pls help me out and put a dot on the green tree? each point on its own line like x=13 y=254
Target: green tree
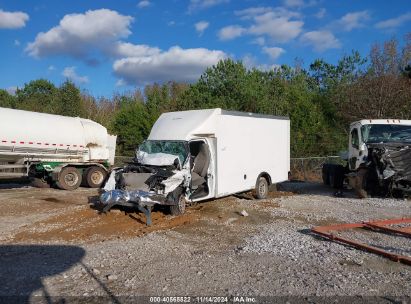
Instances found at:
x=131 y=125
x=38 y=95
x=69 y=100
x=6 y=99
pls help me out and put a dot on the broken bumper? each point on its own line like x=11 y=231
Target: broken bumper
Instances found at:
x=139 y=199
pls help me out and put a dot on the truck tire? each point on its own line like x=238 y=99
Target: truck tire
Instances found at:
x=39 y=182
x=69 y=179
x=180 y=207
x=361 y=183
x=331 y=174
x=337 y=177
x=94 y=176
x=261 y=188
x=325 y=174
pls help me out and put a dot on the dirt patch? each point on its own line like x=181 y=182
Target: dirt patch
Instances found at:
x=87 y=225
x=277 y=194
x=67 y=217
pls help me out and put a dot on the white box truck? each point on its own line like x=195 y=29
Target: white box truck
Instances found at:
x=197 y=155
x=54 y=149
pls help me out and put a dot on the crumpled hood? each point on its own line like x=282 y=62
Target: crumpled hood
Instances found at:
x=156 y=159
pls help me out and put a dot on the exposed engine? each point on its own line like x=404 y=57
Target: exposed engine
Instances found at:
x=389 y=168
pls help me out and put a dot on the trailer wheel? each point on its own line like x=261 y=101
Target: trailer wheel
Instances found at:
x=261 y=188
x=94 y=176
x=69 y=178
x=180 y=207
x=39 y=182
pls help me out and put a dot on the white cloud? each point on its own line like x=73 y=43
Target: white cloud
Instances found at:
x=321 y=40
x=299 y=3
x=275 y=23
x=250 y=62
x=143 y=4
x=78 y=34
x=171 y=23
x=100 y=33
x=259 y=41
x=273 y=52
x=125 y=49
x=231 y=32
x=120 y=83
x=203 y=4
x=278 y=28
x=251 y=12
x=201 y=27
x=17 y=42
x=175 y=64
x=70 y=73
x=13 y=20
x=353 y=20
x=394 y=22
x=51 y=68
x=12 y=90
x=321 y=13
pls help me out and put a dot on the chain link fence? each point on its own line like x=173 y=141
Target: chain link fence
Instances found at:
x=310 y=168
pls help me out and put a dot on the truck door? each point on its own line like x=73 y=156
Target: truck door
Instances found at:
x=354 y=148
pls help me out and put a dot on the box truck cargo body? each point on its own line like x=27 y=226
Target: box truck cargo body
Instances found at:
x=202 y=154
x=55 y=149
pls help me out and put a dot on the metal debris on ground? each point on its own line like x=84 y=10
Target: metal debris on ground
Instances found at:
x=244 y=213
x=380 y=226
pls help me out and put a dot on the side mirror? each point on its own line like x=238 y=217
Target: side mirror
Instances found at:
x=363 y=147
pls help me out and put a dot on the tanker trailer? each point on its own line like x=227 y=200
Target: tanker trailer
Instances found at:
x=55 y=150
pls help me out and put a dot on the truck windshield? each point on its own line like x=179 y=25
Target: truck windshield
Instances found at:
x=177 y=148
x=377 y=133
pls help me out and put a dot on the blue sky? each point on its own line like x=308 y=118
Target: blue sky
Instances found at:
x=108 y=46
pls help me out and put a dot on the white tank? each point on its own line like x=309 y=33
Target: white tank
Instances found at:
x=25 y=134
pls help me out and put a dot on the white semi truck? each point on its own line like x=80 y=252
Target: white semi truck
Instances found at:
x=199 y=155
x=378 y=159
x=55 y=150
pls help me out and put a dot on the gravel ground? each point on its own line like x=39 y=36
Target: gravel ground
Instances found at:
x=215 y=252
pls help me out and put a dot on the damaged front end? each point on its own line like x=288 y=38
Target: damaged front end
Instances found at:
x=159 y=175
x=389 y=168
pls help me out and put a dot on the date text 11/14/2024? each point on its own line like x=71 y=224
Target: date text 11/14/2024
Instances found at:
x=203 y=299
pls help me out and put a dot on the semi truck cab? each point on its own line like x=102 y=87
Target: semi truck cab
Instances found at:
x=378 y=158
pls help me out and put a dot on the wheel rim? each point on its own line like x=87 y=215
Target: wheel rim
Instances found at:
x=262 y=188
x=71 y=179
x=97 y=177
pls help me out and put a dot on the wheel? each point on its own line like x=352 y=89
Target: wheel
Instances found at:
x=180 y=207
x=261 y=188
x=69 y=179
x=94 y=176
x=38 y=179
x=325 y=176
x=361 y=183
x=338 y=177
x=331 y=175
x=39 y=182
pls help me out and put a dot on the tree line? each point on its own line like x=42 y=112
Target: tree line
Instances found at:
x=320 y=100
